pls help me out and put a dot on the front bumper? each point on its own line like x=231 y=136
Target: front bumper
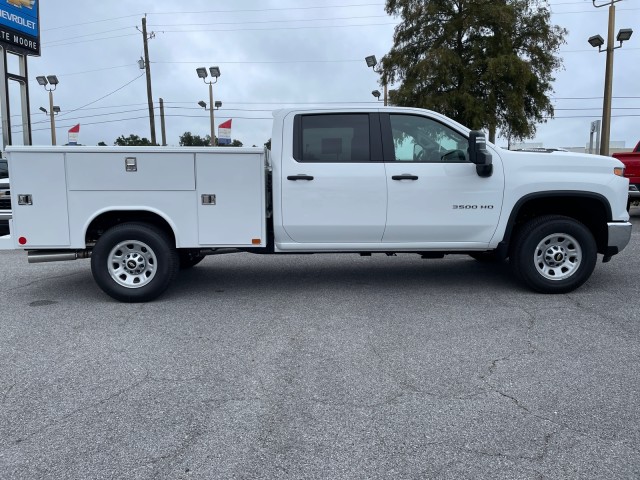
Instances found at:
x=634 y=192
x=619 y=236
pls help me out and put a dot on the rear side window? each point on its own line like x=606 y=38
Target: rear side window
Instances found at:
x=332 y=138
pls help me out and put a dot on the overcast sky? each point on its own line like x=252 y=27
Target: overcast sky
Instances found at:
x=275 y=53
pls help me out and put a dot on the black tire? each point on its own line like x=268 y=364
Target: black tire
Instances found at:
x=553 y=254
x=189 y=258
x=134 y=262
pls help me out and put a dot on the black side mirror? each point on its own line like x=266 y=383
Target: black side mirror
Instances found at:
x=479 y=154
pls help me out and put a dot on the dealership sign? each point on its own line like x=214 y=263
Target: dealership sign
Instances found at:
x=224 y=133
x=19 y=26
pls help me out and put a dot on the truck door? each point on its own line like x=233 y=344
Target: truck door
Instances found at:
x=435 y=194
x=333 y=180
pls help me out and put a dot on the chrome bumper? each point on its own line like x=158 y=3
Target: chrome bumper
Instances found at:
x=619 y=235
x=633 y=191
x=5 y=215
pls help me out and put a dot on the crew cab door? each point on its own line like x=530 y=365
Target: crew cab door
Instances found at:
x=435 y=193
x=333 y=180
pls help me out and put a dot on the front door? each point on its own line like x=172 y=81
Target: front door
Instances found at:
x=435 y=194
x=333 y=183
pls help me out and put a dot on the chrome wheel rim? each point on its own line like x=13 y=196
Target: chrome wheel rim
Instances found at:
x=557 y=256
x=132 y=264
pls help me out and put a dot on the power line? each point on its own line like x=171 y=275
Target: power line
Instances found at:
x=213 y=11
x=104 y=96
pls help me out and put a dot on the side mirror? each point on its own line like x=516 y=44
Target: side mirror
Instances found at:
x=479 y=154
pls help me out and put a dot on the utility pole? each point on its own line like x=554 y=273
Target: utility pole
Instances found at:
x=147 y=66
x=162 y=128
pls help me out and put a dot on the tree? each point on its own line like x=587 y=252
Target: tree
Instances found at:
x=132 y=141
x=485 y=63
x=267 y=145
x=187 y=139
x=102 y=144
x=234 y=143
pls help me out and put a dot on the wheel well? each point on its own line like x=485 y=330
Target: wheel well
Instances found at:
x=591 y=211
x=105 y=221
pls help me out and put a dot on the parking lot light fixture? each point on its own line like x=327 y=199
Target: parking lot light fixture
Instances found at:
x=203 y=104
x=624 y=34
x=218 y=104
x=215 y=74
x=371 y=63
x=50 y=82
x=596 y=41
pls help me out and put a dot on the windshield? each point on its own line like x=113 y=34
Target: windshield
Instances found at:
x=4 y=169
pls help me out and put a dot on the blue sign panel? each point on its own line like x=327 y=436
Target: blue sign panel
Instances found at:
x=19 y=26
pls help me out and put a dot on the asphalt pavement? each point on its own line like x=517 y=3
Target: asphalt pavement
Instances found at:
x=320 y=366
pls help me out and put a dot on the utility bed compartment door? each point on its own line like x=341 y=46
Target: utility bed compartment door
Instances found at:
x=231 y=199
x=44 y=223
x=147 y=171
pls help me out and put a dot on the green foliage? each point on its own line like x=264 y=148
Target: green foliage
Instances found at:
x=102 y=144
x=187 y=139
x=485 y=63
x=268 y=144
x=132 y=141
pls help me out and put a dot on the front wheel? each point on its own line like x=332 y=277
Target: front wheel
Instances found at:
x=554 y=254
x=134 y=262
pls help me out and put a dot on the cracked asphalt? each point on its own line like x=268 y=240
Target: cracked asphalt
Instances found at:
x=320 y=366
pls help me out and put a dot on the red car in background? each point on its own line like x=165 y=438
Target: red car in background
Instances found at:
x=631 y=162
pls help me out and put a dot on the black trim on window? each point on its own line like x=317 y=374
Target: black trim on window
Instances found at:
x=387 y=138
x=375 y=136
x=297 y=137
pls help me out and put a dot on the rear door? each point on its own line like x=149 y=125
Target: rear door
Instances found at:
x=333 y=180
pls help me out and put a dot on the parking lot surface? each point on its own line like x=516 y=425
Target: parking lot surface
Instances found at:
x=320 y=366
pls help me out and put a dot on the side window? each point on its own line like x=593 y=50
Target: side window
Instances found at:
x=333 y=138
x=420 y=139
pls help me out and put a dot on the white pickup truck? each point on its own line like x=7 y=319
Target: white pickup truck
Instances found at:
x=343 y=180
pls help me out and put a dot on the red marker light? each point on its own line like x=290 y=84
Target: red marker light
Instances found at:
x=22 y=241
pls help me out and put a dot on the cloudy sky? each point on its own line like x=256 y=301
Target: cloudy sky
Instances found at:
x=275 y=53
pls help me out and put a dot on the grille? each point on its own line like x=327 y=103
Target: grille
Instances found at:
x=5 y=204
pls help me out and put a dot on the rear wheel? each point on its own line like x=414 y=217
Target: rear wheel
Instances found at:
x=554 y=254
x=134 y=262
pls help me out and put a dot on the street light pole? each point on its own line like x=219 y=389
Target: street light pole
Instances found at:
x=608 y=81
x=52 y=82
x=372 y=62
x=597 y=41
x=215 y=74
x=53 y=118
x=211 y=116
